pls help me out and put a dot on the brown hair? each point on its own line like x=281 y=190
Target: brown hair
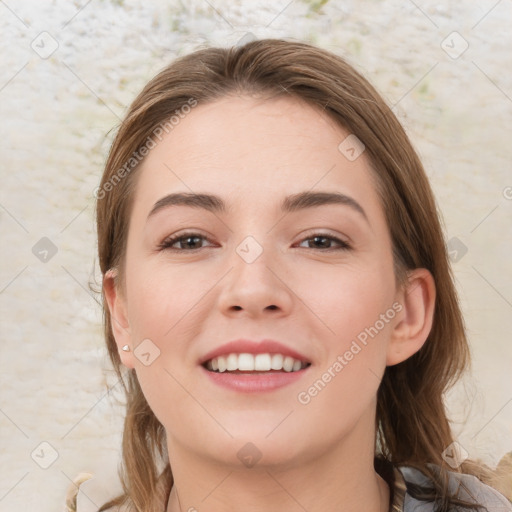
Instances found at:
x=412 y=425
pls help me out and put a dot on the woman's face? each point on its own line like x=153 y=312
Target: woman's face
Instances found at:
x=249 y=223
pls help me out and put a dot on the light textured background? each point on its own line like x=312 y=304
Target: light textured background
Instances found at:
x=55 y=118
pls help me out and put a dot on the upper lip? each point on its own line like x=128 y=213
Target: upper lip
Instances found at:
x=244 y=346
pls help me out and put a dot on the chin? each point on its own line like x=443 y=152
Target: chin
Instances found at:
x=253 y=450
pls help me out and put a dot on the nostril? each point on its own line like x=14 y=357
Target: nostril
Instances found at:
x=238 y=308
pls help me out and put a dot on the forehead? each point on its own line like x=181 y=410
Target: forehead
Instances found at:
x=256 y=150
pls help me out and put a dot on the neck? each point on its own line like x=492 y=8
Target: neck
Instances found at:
x=341 y=480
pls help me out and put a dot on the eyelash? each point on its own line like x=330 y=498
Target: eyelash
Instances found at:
x=170 y=241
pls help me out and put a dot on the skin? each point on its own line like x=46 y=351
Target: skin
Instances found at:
x=252 y=153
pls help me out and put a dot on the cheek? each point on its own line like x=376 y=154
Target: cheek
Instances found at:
x=162 y=321
x=160 y=299
x=350 y=299
x=359 y=314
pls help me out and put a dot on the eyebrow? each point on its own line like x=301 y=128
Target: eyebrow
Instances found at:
x=292 y=203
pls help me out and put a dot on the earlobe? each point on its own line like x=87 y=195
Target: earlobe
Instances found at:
x=415 y=321
x=118 y=317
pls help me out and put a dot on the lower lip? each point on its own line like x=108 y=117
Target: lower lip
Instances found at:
x=254 y=383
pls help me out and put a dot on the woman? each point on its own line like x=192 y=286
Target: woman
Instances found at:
x=278 y=298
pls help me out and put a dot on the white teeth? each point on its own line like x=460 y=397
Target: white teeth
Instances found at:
x=255 y=362
x=288 y=364
x=232 y=362
x=245 y=362
x=262 y=363
x=277 y=361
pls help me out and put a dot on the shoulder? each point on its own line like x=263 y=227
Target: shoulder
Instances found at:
x=73 y=491
x=88 y=493
x=466 y=487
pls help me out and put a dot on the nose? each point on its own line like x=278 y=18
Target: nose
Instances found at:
x=255 y=289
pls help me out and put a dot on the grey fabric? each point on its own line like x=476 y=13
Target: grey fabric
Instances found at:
x=467 y=487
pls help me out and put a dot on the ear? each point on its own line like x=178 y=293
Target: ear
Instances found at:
x=410 y=332
x=118 y=317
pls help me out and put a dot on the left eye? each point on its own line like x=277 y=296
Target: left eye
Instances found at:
x=324 y=242
x=188 y=241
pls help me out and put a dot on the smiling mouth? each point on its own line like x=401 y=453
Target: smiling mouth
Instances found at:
x=255 y=364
